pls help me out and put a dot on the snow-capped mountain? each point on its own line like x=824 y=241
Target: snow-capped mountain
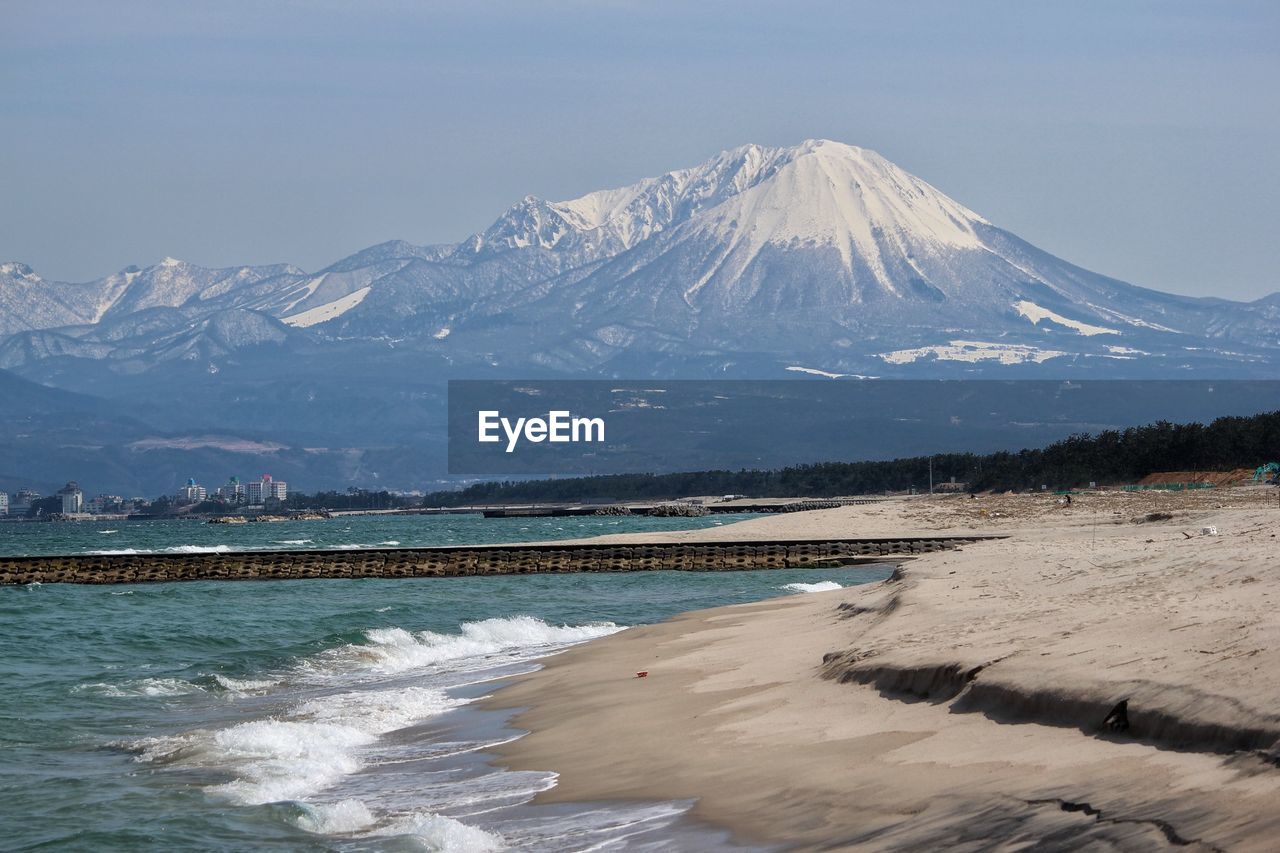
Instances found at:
x=822 y=256
x=819 y=260
x=832 y=253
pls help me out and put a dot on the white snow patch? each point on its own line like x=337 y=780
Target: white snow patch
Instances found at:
x=1035 y=314
x=1132 y=321
x=1125 y=352
x=973 y=351
x=306 y=291
x=813 y=371
x=328 y=311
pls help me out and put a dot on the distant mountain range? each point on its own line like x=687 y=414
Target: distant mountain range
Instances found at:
x=822 y=259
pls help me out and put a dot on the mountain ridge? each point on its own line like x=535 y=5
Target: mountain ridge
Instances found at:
x=816 y=251
x=819 y=261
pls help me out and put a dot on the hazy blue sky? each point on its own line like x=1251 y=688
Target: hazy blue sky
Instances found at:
x=1140 y=139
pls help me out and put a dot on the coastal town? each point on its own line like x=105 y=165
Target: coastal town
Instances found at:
x=70 y=504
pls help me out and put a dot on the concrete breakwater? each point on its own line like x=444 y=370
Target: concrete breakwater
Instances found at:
x=461 y=561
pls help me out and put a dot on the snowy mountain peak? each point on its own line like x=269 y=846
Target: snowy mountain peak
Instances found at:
x=17 y=269
x=818 y=192
x=827 y=189
x=531 y=223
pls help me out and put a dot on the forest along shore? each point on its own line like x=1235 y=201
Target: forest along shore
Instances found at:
x=1107 y=674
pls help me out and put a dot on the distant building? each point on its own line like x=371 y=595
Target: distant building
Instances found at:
x=106 y=503
x=952 y=486
x=278 y=490
x=23 y=500
x=233 y=491
x=265 y=490
x=72 y=498
x=191 y=493
x=4 y=503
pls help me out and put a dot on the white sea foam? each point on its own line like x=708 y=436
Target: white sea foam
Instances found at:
x=301 y=752
x=437 y=832
x=334 y=818
x=161 y=687
x=390 y=542
x=292 y=542
x=176 y=549
x=610 y=828
x=337 y=729
x=243 y=685
x=108 y=531
x=391 y=650
x=281 y=759
x=820 y=586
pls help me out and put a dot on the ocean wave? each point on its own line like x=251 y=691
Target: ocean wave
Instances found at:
x=437 y=832
x=176 y=549
x=392 y=650
x=140 y=687
x=296 y=754
x=291 y=542
x=820 y=586
x=354 y=546
x=243 y=685
x=334 y=818
x=105 y=532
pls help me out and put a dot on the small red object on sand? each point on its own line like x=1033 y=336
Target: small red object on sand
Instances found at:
x=642 y=673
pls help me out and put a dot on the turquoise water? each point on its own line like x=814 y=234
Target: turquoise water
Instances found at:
x=357 y=531
x=325 y=715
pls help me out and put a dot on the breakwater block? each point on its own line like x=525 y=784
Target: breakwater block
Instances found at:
x=468 y=561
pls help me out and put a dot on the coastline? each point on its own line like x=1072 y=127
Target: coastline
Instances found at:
x=960 y=704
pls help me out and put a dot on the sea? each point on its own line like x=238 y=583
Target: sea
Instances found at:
x=317 y=714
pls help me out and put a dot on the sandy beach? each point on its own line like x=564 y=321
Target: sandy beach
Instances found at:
x=969 y=702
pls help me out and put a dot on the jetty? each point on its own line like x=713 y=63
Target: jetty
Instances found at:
x=472 y=560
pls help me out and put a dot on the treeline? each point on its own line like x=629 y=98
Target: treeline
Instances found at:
x=350 y=499
x=1109 y=458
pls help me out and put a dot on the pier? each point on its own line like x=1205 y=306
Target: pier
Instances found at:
x=470 y=560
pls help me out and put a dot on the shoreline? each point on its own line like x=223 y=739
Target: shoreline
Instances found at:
x=960 y=704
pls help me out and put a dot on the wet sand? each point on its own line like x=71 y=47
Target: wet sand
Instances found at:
x=960 y=705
